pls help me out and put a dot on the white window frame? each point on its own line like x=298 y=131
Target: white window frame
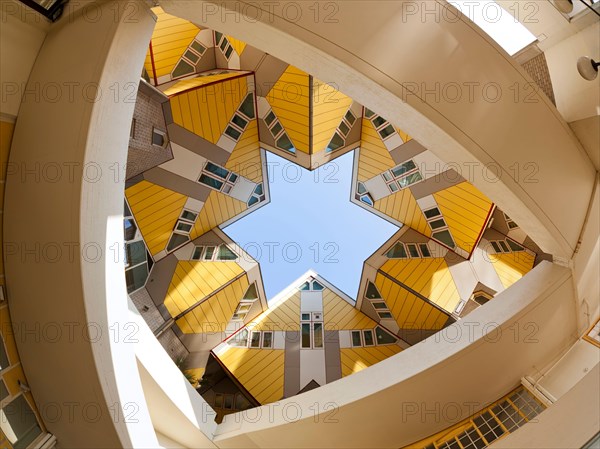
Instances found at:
x=227 y=183
x=439 y=229
x=394 y=180
x=316 y=318
x=226 y=47
x=136 y=238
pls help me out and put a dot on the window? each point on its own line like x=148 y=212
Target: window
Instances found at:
x=255 y=340
x=339 y=137
x=137 y=259
x=182 y=229
x=132 y=130
x=402 y=176
x=506 y=246
x=241 y=118
x=378 y=303
x=311 y=285
x=511 y=224
x=4 y=363
x=382 y=126
x=311 y=327
x=218 y=178
x=405 y=250
x=397 y=252
x=362 y=338
x=258 y=196
x=267 y=340
x=246 y=303
x=18 y=423
x=282 y=141
x=159 y=138
x=223 y=44
x=213 y=253
x=384 y=337
x=363 y=195
x=439 y=227
x=239 y=339
x=494 y=422
x=187 y=64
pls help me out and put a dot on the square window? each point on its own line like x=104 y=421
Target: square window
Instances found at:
x=267 y=339
x=255 y=340
x=356 y=339
x=368 y=337
x=431 y=213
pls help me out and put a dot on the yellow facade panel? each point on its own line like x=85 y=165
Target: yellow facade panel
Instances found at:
x=283 y=317
x=329 y=107
x=249 y=367
x=511 y=267
x=465 y=210
x=194 y=280
x=402 y=206
x=237 y=44
x=289 y=98
x=213 y=314
x=339 y=315
x=217 y=209
x=356 y=359
x=245 y=158
x=156 y=210
x=374 y=157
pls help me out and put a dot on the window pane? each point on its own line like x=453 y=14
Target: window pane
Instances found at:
x=350 y=117
x=192 y=56
x=255 y=340
x=251 y=292
x=367 y=199
x=276 y=129
x=412 y=249
x=336 y=142
x=318 y=335
x=317 y=287
x=19 y=424
x=435 y=224
x=129 y=229
x=197 y=253
x=183 y=68
x=372 y=292
x=233 y=133
x=218 y=37
x=135 y=252
x=228 y=401
x=223 y=45
x=425 y=250
x=228 y=52
x=211 y=182
x=393 y=187
x=444 y=237
x=3 y=357
x=384 y=315
x=388 y=130
x=368 y=335
x=514 y=245
x=397 y=252
x=361 y=188
x=247 y=107
x=344 y=128
x=225 y=253
x=198 y=47
x=403 y=168
x=410 y=179
x=185 y=227
x=432 y=212
x=496 y=247
x=305 y=317
x=208 y=254
x=356 y=341
x=378 y=121
x=305 y=335
x=158 y=139
x=369 y=113
x=252 y=201
x=177 y=240
x=379 y=305
x=269 y=118
x=239 y=121
x=187 y=215
x=215 y=169
x=267 y=339
x=285 y=143
x=218 y=401
x=136 y=277
x=504 y=246
x=305 y=286
x=384 y=337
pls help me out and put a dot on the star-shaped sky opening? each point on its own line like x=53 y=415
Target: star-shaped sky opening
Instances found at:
x=310 y=223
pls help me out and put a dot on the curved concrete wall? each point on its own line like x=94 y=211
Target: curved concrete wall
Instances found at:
x=63 y=228
x=442 y=80
x=429 y=386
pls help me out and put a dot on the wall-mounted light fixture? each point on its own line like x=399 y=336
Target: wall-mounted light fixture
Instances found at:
x=587 y=68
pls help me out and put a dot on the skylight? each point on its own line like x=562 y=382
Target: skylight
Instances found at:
x=310 y=224
x=497 y=22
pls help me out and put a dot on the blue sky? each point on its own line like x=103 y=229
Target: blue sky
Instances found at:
x=310 y=224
